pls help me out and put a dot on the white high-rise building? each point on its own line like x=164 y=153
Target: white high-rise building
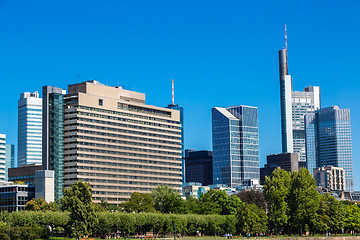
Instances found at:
x=302 y=103
x=2 y=156
x=29 y=128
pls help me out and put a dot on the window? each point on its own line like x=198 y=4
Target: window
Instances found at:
x=100 y=102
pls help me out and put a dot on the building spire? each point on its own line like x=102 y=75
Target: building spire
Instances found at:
x=285 y=39
x=172 y=91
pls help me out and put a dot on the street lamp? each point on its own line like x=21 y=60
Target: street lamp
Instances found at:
x=300 y=229
x=215 y=230
x=275 y=229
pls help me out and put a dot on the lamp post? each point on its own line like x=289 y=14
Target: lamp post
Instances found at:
x=275 y=229
x=74 y=231
x=300 y=229
x=129 y=228
x=215 y=230
x=9 y=231
x=174 y=230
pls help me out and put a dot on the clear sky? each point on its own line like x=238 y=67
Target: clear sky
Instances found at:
x=220 y=53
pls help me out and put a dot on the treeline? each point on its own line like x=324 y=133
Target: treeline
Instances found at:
x=289 y=204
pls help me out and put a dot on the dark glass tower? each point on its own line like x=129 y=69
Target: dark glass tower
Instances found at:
x=53 y=136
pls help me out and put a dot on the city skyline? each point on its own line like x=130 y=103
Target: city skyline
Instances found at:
x=212 y=57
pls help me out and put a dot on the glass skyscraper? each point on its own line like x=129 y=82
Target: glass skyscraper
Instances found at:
x=29 y=128
x=235 y=136
x=328 y=140
x=53 y=136
x=9 y=158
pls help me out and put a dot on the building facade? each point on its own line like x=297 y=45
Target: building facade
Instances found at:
x=328 y=141
x=199 y=167
x=24 y=173
x=29 y=128
x=9 y=158
x=13 y=197
x=235 y=137
x=330 y=177
x=53 y=135
x=2 y=156
x=119 y=144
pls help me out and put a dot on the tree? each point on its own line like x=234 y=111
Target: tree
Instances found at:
x=139 y=202
x=352 y=217
x=304 y=202
x=331 y=213
x=253 y=196
x=192 y=204
x=218 y=202
x=167 y=200
x=276 y=193
x=251 y=219
x=78 y=201
x=39 y=204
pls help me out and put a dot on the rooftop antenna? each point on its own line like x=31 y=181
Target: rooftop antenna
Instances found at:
x=172 y=91
x=285 y=39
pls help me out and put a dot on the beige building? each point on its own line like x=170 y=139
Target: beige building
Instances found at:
x=117 y=143
x=330 y=177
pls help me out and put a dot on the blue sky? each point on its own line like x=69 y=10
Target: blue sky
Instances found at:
x=220 y=53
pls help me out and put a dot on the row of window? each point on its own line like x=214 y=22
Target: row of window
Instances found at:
x=109 y=175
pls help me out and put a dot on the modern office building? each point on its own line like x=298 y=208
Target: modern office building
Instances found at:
x=294 y=106
x=44 y=185
x=181 y=110
x=330 y=177
x=119 y=144
x=53 y=135
x=13 y=197
x=194 y=189
x=29 y=128
x=2 y=156
x=9 y=158
x=235 y=137
x=199 y=167
x=286 y=161
x=328 y=141
x=24 y=173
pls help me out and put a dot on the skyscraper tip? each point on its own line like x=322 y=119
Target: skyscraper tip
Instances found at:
x=285 y=39
x=172 y=91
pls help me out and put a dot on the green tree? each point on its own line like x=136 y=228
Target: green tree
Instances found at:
x=304 y=202
x=218 y=202
x=192 y=204
x=139 y=202
x=276 y=192
x=167 y=200
x=78 y=201
x=352 y=217
x=331 y=213
x=251 y=219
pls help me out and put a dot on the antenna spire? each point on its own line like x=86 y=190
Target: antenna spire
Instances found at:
x=172 y=91
x=285 y=39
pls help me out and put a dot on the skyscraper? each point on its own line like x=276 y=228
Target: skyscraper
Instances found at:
x=29 y=128
x=119 y=144
x=9 y=158
x=328 y=141
x=235 y=137
x=294 y=106
x=199 y=167
x=2 y=156
x=177 y=107
x=53 y=135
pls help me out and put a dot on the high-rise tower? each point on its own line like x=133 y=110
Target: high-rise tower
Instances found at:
x=285 y=101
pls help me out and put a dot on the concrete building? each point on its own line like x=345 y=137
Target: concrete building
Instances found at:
x=235 y=136
x=9 y=158
x=119 y=144
x=2 y=156
x=45 y=185
x=13 y=197
x=194 y=189
x=328 y=141
x=286 y=161
x=330 y=177
x=294 y=106
x=53 y=135
x=29 y=128
x=24 y=173
x=199 y=166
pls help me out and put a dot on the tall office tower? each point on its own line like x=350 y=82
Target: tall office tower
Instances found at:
x=9 y=158
x=2 y=156
x=119 y=144
x=235 y=136
x=53 y=135
x=199 y=167
x=294 y=106
x=29 y=128
x=302 y=103
x=328 y=140
x=176 y=107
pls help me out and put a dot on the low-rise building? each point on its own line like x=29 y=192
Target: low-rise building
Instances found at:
x=13 y=197
x=330 y=177
x=24 y=173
